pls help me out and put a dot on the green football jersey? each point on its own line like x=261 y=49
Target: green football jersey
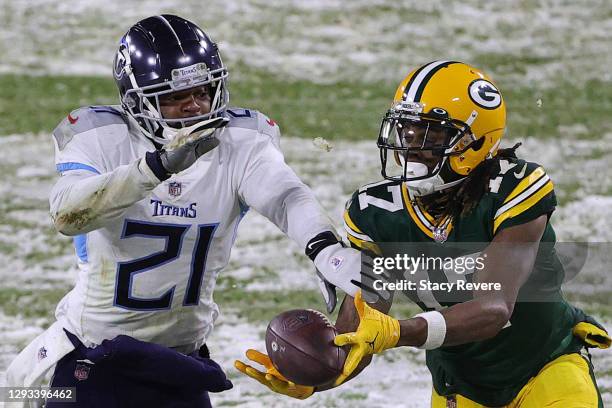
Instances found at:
x=493 y=371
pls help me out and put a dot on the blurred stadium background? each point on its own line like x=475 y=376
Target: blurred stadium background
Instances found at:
x=320 y=68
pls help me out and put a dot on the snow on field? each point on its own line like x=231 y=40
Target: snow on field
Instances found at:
x=35 y=257
x=325 y=41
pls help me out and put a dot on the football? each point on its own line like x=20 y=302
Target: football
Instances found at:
x=300 y=344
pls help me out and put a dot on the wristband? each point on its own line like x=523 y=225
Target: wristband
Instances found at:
x=436 y=330
x=155 y=164
x=319 y=243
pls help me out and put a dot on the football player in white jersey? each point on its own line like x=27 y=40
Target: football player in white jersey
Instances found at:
x=152 y=191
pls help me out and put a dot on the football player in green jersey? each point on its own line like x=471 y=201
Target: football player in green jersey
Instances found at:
x=447 y=182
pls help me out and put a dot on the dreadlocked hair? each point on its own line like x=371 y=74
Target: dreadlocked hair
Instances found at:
x=463 y=199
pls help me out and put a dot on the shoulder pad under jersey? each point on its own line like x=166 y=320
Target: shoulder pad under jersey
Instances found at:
x=366 y=207
x=84 y=119
x=250 y=119
x=522 y=191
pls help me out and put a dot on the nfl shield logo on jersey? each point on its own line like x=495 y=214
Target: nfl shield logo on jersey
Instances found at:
x=81 y=372
x=174 y=189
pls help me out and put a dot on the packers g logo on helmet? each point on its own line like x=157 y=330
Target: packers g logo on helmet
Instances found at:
x=447 y=117
x=484 y=94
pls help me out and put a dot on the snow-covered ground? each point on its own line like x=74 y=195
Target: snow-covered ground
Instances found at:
x=326 y=40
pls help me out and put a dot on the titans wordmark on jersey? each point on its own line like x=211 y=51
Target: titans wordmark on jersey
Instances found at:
x=492 y=371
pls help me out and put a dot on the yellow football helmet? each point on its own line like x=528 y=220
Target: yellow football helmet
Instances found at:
x=447 y=117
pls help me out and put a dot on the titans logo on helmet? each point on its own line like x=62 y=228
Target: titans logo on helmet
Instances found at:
x=119 y=66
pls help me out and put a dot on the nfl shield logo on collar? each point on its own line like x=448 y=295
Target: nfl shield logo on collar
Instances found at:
x=42 y=353
x=440 y=235
x=174 y=189
x=81 y=372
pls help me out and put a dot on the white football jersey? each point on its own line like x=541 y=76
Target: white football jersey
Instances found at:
x=149 y=252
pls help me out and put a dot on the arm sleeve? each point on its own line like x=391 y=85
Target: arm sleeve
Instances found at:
x=82 y=201
x=271 y=187
x=91 y=189
x=356 y=228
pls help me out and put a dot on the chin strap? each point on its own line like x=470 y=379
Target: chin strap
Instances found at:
x=430 y=185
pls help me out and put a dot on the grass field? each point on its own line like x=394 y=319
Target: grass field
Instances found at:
x=319 y=68
x=342 y=110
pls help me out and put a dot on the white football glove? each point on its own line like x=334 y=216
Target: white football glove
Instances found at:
x=340 y=266
x=346 y=268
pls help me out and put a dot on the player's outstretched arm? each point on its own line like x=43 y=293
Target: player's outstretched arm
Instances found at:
x=272 y=188
x=479 y=319
x=508 y=261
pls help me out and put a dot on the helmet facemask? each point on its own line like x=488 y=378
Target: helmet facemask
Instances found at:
x=420 y=145
x=143 y=103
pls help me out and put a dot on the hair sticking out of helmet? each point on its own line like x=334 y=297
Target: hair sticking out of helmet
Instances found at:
x=447 y=118
x=163 y=55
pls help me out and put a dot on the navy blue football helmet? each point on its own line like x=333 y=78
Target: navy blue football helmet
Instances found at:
x=164 y=54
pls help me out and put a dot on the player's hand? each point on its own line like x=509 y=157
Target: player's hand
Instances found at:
x=339 y=266
x=189 y=143
x=376 y=332
x=271 y=378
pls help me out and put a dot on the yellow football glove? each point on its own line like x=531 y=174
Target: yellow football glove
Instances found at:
x=592 y=335
x=272 y=378
x=376 y=333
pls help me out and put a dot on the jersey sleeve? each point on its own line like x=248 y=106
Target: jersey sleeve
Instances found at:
x=256 y=121
x=358 y=231
x=77 y=139
x=270 y=128
x=91 y=191
x=524 y=193
x=273 y=189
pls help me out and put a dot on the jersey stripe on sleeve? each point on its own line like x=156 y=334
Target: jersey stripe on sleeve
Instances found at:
x=357 y=237
x=524 y=196
x=62 y=167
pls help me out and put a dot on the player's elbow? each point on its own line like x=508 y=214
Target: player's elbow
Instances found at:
x=495 y=317
x=73 y=222
x=64 y=228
